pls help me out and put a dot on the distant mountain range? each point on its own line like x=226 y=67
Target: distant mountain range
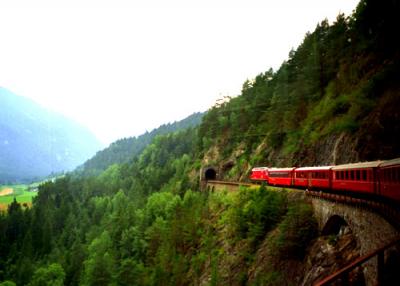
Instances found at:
x=35 y=142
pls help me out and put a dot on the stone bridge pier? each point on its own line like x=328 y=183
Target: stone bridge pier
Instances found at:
x=370 y=229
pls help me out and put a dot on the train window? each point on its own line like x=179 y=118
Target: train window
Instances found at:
x=358 y=175
x=363 y=175
x=279 y=174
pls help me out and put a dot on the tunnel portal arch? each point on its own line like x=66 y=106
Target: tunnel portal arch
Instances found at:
x=210 y=174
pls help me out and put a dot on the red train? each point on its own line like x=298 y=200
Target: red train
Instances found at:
x=377 y=178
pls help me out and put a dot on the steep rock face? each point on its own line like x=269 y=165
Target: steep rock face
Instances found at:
x=36 y=142
x=328 y=254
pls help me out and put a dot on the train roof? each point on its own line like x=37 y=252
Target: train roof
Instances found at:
x=259 y=168
x=319 y=168
x=372 y=164
x=280 y=169
x=390 y=162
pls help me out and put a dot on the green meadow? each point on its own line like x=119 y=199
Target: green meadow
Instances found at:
x=20 y=192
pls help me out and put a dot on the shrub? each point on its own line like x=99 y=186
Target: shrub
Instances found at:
x=295 y=232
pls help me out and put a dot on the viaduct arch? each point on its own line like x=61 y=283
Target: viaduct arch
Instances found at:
x=370 y=229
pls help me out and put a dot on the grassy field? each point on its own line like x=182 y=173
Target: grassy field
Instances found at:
x=20 y=192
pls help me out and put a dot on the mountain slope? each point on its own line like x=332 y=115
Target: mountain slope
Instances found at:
x=36 y=142
x=121 y=151
x=335 y=100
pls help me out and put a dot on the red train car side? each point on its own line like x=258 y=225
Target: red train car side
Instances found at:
x=280 y=176
x=389 y=179
x=313 y=177
x=358 y=177
x=377 y=178
x=259 y=174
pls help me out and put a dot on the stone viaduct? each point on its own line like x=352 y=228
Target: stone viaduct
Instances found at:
x=370 y=229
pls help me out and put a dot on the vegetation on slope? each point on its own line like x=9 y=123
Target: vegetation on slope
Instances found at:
x=340 y=84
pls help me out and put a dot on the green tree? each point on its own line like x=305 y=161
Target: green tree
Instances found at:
x=52 y=275
x=99 y=268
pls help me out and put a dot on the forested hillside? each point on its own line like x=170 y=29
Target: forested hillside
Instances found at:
x=145 y=222
x=334 y=100
x=124 y=150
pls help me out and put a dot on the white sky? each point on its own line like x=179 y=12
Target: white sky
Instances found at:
x=124 y=67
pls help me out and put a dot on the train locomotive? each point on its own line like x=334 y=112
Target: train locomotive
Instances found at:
x=377 y=179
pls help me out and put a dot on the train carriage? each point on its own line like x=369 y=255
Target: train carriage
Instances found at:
x=389 y=179
x=313 y=177
x=259 y=174
x=280 y=176
x=357 y=177
x=378 y=179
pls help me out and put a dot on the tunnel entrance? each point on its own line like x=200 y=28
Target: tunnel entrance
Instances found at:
x=333 y=225
x=210 y=174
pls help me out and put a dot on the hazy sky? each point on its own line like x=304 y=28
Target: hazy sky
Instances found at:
x=124 y=67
